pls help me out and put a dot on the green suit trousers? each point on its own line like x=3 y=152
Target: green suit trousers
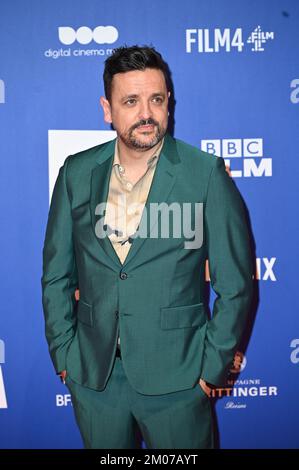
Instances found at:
x=115 y=417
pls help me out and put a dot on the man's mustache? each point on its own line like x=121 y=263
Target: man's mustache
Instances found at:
x=145 y=122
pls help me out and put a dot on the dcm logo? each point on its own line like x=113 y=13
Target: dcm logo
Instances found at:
x=84 y=35
x=3 y=401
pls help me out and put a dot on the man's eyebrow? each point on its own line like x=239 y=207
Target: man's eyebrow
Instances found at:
x=127 y=97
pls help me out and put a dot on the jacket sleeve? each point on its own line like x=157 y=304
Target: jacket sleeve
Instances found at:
x=59 y=278
x=231 y=273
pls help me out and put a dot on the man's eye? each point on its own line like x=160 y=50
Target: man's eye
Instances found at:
x=130 y=102
x=158 y=99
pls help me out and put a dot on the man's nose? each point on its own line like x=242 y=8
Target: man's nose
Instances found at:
x=145 y=110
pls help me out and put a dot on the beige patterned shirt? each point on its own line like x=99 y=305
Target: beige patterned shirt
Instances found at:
x=125 y=203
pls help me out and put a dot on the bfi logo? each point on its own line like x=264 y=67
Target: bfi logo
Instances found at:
x=2 y=92
x=64 y=400
x=244 y=157
x=3 y=401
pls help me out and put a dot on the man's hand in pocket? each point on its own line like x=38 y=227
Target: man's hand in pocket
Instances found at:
x=62 y=376
x=205 y=387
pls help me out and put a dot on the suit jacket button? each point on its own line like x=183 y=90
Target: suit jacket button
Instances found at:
x=116 y=313
x=123 y=275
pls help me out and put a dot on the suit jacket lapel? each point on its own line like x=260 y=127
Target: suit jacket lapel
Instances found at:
x=99 y=194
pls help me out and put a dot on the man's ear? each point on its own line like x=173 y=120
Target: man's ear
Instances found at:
x=107 y=109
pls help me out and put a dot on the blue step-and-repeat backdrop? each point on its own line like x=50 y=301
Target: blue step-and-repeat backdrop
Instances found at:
x=235 y=68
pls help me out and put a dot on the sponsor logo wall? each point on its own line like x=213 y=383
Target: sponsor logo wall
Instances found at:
x=236 y=85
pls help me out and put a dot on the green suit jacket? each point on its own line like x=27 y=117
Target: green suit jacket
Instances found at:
x=156 y=301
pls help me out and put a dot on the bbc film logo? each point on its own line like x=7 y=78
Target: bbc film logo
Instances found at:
x=227 y=40
x=84 y=35
x=3 y=400
x=243 y=157
x=2 y=92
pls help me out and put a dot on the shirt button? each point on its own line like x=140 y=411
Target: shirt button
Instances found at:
x=123 y=275
x=129 y=185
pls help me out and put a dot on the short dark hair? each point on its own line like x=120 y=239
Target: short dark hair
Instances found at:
x=125 y=59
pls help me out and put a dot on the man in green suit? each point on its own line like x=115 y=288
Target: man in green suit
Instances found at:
x=131 y=225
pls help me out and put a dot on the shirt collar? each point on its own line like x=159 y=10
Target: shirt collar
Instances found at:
x=150 y=162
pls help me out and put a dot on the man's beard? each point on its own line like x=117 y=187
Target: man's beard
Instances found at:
x=134 y=143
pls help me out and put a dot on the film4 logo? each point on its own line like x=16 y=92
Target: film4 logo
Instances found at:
x=203 y=40
x=3 y=401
